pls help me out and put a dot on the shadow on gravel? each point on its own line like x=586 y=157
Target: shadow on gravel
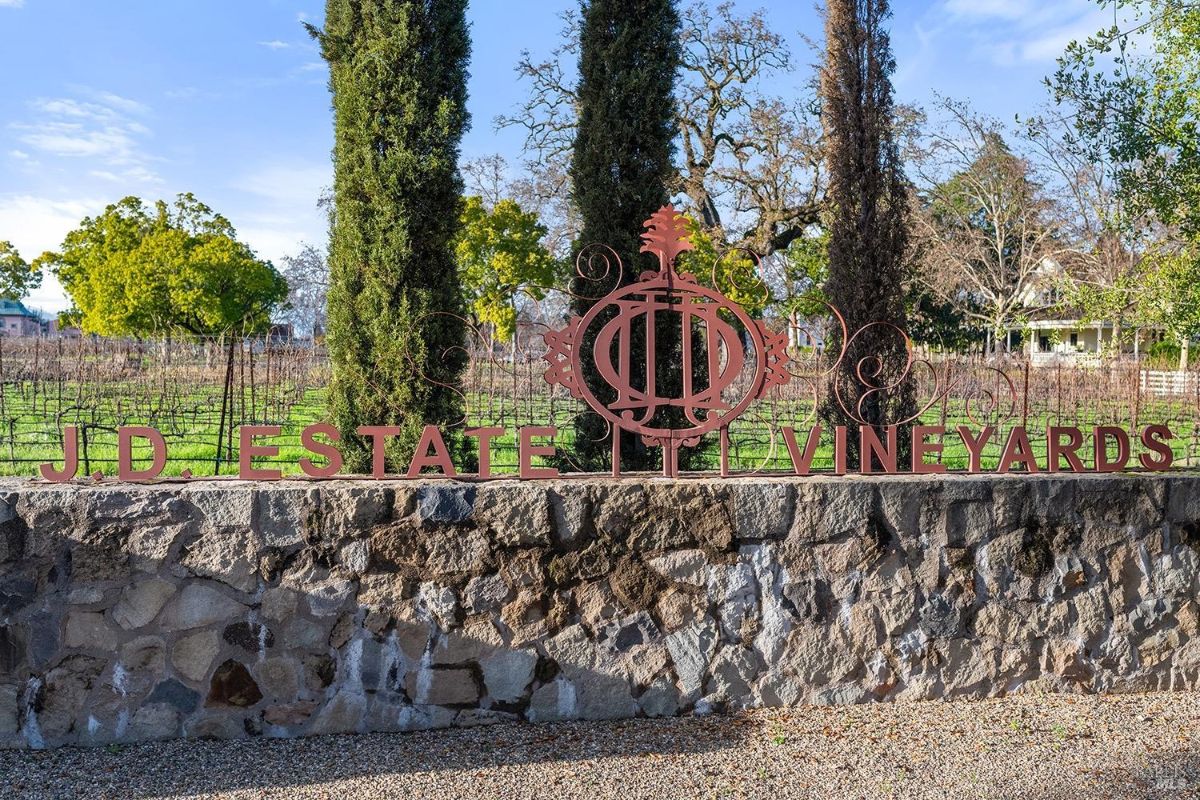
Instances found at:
x=189 y=767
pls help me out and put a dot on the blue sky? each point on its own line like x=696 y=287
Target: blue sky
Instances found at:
x=228 y=98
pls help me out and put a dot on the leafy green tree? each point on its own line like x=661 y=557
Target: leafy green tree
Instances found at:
x=1142 y=111
x=867 y=218
x=17 y=278
x=1171 y=296
x=806 y=270
x=621 y=167
x=1134 y=93
x=398 y=75
x=172 y=269
x=501 y=257
x=941 y=325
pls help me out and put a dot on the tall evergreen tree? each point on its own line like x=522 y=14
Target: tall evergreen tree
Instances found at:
x=398 y=74
x=620 y=167
x=868 y=228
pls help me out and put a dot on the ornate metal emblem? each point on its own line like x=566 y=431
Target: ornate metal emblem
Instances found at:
x=728 y=359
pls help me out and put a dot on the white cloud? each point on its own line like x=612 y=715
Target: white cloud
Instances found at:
x=74 y=140
x=101 y=130
x=275 y=44
x=49 y=297
x=37 y=224
x=119 y=102
x=133 y=175
x=12 y=3
x=1051 y=44
x=1008 y=32
x=287 y=183
x=281 y=211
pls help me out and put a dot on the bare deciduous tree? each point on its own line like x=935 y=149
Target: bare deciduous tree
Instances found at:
x=755 y=157
x=1108 y=239
x=749 y=164
x=307 y=275
x=987 y=230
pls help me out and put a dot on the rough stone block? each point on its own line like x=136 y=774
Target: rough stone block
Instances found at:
x=570 y=511
x=516 y=515
x=154 y=721
x=228 y=555
x=198 y=605
x=762 y=510
x=89 y=630
x=343 y=714
x=141 y=602
x=508 y=673
x=661 y=699
x=233 y=685
x=486 y=593
x=174 y=694
x=192 y=656
x=691 y=649
x=445 y=505
x=452 y=686
x=223 y=506
x=282 y=515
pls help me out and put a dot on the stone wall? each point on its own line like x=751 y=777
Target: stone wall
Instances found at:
x=230 y=609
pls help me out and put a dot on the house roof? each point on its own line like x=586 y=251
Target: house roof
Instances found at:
x=15 y=308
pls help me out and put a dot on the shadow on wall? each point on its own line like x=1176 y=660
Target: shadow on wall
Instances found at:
x=224 y=610
x=228 y=610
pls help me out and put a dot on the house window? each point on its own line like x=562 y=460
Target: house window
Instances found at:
x=1074 y=340
x=1043 y=344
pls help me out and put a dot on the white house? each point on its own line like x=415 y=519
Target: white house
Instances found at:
x=1051 y=333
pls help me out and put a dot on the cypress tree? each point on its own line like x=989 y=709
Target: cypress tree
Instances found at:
x=868 y=224
x=398 y=75
x=621 y=165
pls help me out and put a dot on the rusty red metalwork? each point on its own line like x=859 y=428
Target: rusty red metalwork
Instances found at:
x=701 y=311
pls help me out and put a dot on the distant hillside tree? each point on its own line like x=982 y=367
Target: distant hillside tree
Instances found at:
x=398 y=75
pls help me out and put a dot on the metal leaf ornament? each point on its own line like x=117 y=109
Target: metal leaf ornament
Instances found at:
x=667 y=234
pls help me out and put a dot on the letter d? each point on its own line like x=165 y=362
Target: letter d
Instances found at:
x=125 y=470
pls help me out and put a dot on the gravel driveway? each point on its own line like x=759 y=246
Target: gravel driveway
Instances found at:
x=1132 y=746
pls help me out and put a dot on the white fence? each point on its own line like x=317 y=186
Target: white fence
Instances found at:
x=1164 y=382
